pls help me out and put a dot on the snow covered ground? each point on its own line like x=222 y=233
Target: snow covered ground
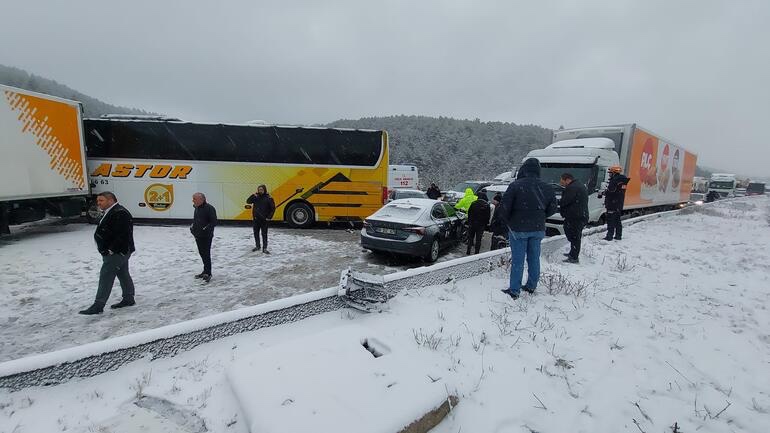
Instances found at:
x=50 y=272
x=668 y=327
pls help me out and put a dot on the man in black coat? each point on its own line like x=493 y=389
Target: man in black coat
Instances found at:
x=527 y=202
x=114 y=238
x=478 y=217
x=202 y=229
x=614 y=198
x=574 y=210
x=433 y=192
x=262 y=209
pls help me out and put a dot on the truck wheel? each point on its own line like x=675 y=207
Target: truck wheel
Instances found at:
x=93 y=213
x=300 y=215
x=433 y=252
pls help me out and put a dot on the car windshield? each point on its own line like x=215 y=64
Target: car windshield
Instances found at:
x=583 y=173
x=410 y=194
x=721 y=185
x=398 y=211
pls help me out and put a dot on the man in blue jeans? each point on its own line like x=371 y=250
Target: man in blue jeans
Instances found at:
x=527 y=202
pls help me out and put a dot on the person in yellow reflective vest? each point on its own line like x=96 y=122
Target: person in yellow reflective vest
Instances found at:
x=466 y=201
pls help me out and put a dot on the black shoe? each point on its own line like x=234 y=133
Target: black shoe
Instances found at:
x=255 y=249
x=617 y=239
x=607 y=239
x=265 y=251
x=528 y=290
x=206 y=277
x=199 y=276
x=566 y=254
x=93 y=309
x=508 y=292
x=571 y=260
x=124 y=303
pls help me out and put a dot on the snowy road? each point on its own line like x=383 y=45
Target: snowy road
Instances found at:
x=49 y=272
x=669 y=327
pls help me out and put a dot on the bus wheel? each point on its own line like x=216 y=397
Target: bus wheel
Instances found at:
x=93 y=213
x=300 y=215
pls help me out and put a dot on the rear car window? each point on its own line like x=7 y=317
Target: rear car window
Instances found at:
x=400 y=211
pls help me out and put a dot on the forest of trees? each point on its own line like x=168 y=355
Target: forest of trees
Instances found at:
x=447 y=151
x=92 y=107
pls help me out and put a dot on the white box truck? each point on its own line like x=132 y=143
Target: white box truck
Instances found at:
x=661 y=172
x=43 y=165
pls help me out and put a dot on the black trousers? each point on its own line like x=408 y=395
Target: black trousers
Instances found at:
x=474 y=238
x=115 y=265
x=573 y=229
x=614 y=226
x=260 y=226
x=204 y=249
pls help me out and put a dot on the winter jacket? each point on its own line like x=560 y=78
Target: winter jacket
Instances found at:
x=615 y=195
x=204 y=221
x=465 y=203
x=115 y=232
x=478 y=212
x=497 y=226
x=528 y=201
x=574 y=202
x=433 y=193
x=262 y=206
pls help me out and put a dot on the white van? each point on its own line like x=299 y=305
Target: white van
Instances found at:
x=402 y=176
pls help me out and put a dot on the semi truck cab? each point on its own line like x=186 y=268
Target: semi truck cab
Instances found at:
x=587 y=159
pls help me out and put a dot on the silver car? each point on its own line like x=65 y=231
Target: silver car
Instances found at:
x=415 y=227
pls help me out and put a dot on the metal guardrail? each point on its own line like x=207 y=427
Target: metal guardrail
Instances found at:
x=103 y=356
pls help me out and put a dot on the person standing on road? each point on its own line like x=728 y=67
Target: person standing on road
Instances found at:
x=433 y=192
x=478 y=217
x=202 y=229
x=497 y=225
x=527 y=202
x=614 y=198
x=574 y=210
x=262 y=209
x=114 y=238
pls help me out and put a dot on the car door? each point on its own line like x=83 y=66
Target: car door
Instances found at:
x=454 y=221
x=441 y=223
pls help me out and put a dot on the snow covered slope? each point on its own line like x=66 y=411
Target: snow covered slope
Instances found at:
x=668 y=327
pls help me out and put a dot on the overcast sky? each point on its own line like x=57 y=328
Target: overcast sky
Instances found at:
x=696 y=72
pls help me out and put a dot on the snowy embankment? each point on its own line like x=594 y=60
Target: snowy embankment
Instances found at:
x=668 y=327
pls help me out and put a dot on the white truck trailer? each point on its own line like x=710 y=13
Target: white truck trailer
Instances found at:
x=43 y=165
x=661 y=172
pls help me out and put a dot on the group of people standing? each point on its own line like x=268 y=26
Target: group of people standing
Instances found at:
x=114 y=237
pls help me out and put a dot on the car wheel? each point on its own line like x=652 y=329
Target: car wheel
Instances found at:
x=300 y=215
x=433 y=252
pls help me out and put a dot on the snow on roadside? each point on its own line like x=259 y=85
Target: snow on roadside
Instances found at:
x=670 y=325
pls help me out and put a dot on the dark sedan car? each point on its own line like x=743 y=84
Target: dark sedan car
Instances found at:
x=415 y=227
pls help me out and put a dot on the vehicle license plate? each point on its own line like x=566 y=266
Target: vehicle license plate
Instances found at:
x=386 y=230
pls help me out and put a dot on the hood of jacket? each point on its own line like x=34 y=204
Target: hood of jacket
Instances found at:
x=530 y=168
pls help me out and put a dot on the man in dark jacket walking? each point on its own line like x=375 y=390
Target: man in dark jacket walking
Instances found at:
x=204 y=221
x=478 y=217
x=433 y=192
x=497 y=226
x=527 y=202
x=574 y=210
x=262 y=209
x=114 y=238
x=614 y=198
